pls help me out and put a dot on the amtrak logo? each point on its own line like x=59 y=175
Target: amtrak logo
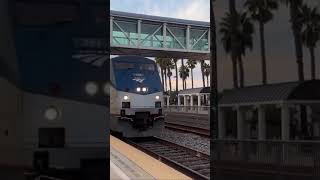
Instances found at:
x=138 y=77
x=92 y=59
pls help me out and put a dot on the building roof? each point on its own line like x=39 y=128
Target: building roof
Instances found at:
x=159 y=19
x=201 y=90
x=307 y=90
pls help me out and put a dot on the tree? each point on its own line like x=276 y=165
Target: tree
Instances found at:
x=160 y=63
x=169 y=65
x=165 y=74
x=296 y=25
x=202 y=73
x=261 y=11
x=311 y=33
x=191 y=65
x=242 y=40
x=184 y=74
x=183 y=82
x=244 y=37
x=228 y=41
x=207 y=72
x=177 y=77
x=233 y=40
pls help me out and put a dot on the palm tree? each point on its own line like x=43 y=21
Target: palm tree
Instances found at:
x=184 y=74
x=165 y=75
x=202 y=74
x=242 y=40
x=183 y=82
x=245 y=30
x=233 y=40
x=176 y=69
x=227 y=38
x=261 y=11
x=207 y=72
x=311 y=33
x=169 y=65
x=160 y=63
x=191 y=65
x=296 y=24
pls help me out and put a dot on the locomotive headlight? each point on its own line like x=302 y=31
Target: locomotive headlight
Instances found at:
x=91 y=88
x=126 y=97
x=51 y=113
x=144 y=89
x=138 y=89
x=157 y=97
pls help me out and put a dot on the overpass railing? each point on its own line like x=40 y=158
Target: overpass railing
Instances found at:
x=188 y=109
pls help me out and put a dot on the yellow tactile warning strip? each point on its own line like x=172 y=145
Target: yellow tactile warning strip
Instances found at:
x=149 y=164
x=128 y=167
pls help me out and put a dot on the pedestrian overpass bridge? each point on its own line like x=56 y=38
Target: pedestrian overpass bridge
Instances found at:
x=153 y=36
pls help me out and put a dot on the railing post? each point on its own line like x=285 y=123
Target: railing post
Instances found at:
x=164 y=32
x=139 y=33
x=111 y=30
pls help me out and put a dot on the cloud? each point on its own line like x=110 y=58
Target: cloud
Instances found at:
x=184 y=9
x=195 y=10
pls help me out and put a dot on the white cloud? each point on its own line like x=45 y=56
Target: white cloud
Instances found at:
x=196 y=10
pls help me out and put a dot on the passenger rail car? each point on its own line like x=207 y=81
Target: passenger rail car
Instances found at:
x=136 y=97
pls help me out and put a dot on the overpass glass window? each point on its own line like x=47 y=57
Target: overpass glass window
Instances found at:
x=147 y=37
x=176 y=37
x=125 y=33
x=199 y=39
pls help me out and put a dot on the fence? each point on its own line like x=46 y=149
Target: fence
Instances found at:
x=188 y=109
x=281 y=157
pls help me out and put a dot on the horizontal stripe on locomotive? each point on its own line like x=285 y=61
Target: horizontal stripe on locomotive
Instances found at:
x=102 y=100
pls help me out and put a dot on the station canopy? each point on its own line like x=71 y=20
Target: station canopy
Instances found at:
x=303 y=92
x=201 y=90
x=153 y=36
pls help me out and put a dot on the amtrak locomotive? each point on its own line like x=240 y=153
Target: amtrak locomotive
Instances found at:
x=53 y=96
x=136 y=97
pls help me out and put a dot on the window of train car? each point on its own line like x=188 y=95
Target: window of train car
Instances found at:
x=120 y=66
x=148 y=67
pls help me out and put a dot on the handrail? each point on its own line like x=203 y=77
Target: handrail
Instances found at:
x=188 y=109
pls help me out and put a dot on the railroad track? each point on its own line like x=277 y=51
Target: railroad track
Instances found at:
x=190 y=129
x=192 y=163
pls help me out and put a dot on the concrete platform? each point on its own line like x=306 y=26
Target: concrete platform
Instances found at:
x=127 y=162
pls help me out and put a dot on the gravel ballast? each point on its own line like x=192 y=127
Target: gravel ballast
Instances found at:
x=188 y=140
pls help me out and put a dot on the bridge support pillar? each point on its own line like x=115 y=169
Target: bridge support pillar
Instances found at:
x=261 y=122
x=285 y=133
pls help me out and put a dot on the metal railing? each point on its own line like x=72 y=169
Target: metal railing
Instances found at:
x=188 y=109
x=281 y=154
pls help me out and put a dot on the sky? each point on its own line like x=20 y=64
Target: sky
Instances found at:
x=198 y=10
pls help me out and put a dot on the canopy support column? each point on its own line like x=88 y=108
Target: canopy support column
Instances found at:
x=285 y=133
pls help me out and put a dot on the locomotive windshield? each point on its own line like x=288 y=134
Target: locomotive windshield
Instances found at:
x=133 y=72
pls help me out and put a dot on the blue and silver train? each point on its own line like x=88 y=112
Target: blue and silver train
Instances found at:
x=54 y=103
x=136 y=97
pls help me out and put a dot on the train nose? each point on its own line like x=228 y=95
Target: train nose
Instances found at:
x=142 y=120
